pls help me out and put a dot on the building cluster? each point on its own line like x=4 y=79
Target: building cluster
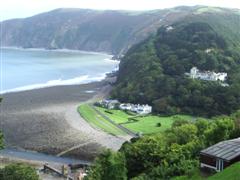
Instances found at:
x=115 y=104
x=137 y=108
x=195 y=73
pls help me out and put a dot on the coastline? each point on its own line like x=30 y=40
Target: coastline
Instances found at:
x=57 y=82
x=46 y=120
x=77 y=80
x=56 y=50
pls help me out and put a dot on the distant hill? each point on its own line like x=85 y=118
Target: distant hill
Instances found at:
x=231 y=172
x=153 y=71
x=84 y=29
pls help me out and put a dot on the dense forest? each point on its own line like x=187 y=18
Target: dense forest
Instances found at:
x=153 y=71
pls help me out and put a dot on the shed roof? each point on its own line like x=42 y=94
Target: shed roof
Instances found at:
x=226 y=150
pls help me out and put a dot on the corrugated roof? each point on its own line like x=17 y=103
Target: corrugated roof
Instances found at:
x=226 y=150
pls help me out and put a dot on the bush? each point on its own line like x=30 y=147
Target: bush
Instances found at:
x=159 y=124
x=109 y=112
x=18 y=172
x=133 y=119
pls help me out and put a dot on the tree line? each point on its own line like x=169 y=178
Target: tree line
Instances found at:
x=166 y=155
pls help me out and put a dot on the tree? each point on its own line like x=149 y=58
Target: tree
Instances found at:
x=109 y=165
x=219 y=130
x=18 y=172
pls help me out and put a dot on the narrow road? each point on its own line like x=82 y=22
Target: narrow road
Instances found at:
x=73 y=148
x=129 y=132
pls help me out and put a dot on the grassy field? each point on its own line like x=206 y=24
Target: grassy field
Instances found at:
x=230 y=173
x=146 y=125
x=97 y=121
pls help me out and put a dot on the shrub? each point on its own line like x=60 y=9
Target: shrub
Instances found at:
x=109 y=112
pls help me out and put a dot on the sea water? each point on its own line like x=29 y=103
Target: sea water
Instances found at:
x=25 y=69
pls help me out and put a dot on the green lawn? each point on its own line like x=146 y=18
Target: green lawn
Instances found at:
x=97 y=121
x=230 y=173
x=118 y=116
x=146 y=125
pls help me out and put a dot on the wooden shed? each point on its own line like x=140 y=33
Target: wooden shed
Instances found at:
x=221 y=155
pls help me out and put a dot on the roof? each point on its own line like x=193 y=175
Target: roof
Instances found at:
x=111 y=101
x=226 y=150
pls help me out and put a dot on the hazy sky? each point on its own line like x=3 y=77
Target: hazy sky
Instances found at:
x=24 y=8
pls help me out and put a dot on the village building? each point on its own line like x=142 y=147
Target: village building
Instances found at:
x=169 y=28
x=208 y=50
x=195 y=73
x=220 y=155
x=115 y=104
x=137 y=108
x=109 y=103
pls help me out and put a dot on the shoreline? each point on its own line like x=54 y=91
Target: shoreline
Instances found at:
x=46 y=120
x=77 y=80
x=57 y=83
x=56 y=50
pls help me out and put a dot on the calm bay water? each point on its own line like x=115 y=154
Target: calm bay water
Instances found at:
x=23 y=69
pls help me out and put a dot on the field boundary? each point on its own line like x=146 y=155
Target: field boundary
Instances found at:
x=126 y=130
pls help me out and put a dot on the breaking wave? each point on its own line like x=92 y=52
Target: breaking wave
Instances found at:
x=58 y=82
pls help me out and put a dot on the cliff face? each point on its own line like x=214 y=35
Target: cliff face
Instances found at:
x=82 y=29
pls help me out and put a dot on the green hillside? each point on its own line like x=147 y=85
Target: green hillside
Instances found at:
x=109 y=31
x=230 y=173
x=153 y=71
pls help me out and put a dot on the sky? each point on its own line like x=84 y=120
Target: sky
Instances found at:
x=24 y=8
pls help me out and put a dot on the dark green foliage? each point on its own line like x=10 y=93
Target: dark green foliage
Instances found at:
x=18 y=172
x=175 y=152
x=109 y=165
x=166 y=155
x=109 y=112
x=154 y=71
x=132 y=119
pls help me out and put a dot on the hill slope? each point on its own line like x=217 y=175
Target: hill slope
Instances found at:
x=154 y=71
x=231 y=172
x=84 y=29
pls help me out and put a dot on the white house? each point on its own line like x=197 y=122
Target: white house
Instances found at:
x=137 y=108
x=207 y=75
x=169 y=28
x=143 y=109
x=125 y=106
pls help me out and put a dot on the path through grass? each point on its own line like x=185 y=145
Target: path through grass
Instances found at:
x=97 y=121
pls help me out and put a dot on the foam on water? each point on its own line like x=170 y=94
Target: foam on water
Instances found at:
x=26 y=69
x=58 y=82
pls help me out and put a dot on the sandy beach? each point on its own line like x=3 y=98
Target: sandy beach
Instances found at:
x=46 y=120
